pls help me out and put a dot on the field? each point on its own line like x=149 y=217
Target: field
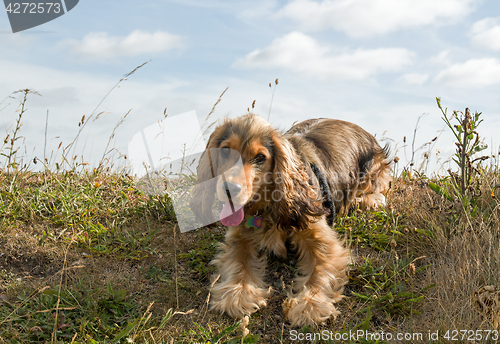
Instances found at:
x=87 y=257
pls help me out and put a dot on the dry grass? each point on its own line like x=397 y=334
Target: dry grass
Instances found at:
x=463 y=251
x=132 y=250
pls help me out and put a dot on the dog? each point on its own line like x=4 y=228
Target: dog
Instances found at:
x=286 y=190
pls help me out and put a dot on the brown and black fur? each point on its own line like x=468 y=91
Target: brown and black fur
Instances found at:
x=295 y=165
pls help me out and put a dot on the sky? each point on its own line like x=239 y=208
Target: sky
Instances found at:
x=377 y=63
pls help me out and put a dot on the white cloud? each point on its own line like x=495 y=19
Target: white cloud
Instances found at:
x=218 y=4
x=370 y=17
x=472 y=73
x=486 y=33
x=257 y=9
x=415 y=78
x=302 y=54
x=97 y=45
x=441 y=58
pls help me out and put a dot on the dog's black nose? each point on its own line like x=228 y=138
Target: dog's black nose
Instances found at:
x=232 y=188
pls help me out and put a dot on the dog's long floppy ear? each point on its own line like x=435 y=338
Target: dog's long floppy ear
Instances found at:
x=297 y=203
x=203 y=194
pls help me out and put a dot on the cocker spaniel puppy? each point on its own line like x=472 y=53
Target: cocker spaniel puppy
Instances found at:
x=286 y=187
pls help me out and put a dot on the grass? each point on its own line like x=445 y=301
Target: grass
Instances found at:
x=87 y=257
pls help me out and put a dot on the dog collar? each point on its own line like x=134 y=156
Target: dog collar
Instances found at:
x=254 y=221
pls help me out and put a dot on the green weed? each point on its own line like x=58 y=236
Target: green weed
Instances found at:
x=374 y=230
x=91 y=313
x=465 y=185
x=387 y=286
x=198 y=259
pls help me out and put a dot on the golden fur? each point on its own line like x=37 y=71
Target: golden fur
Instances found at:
x=278 y=184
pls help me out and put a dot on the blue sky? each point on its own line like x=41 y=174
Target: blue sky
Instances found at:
x=378 y=63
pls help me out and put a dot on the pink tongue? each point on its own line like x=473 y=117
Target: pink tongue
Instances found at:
x=228 y=218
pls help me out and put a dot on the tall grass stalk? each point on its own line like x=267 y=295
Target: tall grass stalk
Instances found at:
x=272 y=98
x=11 y=140
x=94 y=115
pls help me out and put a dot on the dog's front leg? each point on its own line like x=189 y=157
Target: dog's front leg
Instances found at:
x=240 y=289
x=322 y=274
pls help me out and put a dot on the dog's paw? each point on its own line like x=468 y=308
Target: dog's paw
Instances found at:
x=309 y=309
x=375 y=200
x=238 y=300
x=371 y=201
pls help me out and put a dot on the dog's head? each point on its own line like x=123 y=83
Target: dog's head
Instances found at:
x=251 y=167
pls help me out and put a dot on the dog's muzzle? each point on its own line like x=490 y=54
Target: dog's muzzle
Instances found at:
x=231 y=189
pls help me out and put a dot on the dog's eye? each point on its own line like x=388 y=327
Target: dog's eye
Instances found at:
x=259 y=159
x=224 y=152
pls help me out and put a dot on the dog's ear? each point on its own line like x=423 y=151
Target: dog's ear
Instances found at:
x=203 y=193
x=297 y=202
